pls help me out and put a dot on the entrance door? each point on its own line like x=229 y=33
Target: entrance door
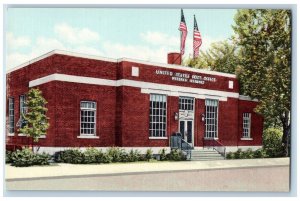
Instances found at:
x=186 y=130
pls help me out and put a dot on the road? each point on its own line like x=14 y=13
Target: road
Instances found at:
x=258 y=179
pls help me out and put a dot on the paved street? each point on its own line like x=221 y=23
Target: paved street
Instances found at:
x=207 y=177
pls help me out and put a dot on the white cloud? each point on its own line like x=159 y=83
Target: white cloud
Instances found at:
x=155 y=48
x=117 y=50
x=158 y=38
x=14 y=42
x=73 y=35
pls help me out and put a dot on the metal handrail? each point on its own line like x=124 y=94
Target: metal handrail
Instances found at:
x=216 y=143
x=187 y=148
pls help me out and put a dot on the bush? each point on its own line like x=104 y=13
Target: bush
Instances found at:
x=230 y=155
x=117 y=154
x=41 y=159
x=134 y=156
x=91 y=155
x=22 y=158
x=248 y=153
x=238 y=154
x=103 y=158
x=260 y=153
x=272 y=142
x=8 y=157
x=74 y=156
x=176 y=155
x=148 y=155
x=163 y=155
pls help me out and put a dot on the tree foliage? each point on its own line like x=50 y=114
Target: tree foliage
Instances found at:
x=35 y=118
x=264 y=41
x=221 y=56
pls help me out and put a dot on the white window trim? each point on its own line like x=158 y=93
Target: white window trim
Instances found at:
x=88 y=137
x=246 y=138
x=10 y=134
x=83 y=135
x=249 y=131
x=211 y=138
x=217 y=126
x=155 y=137
x=22 y=135
x=158 y=138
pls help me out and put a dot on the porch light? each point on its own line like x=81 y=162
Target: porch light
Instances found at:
x=176 y=116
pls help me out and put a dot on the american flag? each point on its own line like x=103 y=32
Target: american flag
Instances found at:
x=197 y=40
x=183 y=29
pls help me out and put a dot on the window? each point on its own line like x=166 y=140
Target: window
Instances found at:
x=186 y=103
x=23 y=107
x=246 y=125
x=11 y=115
x=211 y=118
x=158 y=115
x=87 y=118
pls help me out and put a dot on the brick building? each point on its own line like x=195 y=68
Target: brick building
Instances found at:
x=102 y=102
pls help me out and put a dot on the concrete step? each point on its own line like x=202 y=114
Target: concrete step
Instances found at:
x=205 y=155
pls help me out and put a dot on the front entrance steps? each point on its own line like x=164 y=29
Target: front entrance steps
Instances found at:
x=205 y=155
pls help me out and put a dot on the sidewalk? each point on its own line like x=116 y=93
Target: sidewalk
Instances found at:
x=63 y=169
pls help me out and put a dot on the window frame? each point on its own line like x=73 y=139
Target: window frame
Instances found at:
x=85 y=135
x=211 y=134
x=11 y=101
x=184 y=101
x=246 y=117
x=160 y=116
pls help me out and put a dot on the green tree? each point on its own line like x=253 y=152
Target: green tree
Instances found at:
x=221 y=56
x=36 y=122
x=264 y=41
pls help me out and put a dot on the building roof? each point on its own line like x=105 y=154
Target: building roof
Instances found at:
x=74 y=54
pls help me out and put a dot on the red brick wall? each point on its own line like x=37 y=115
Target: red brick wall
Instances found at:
x=256 y=124
x=122 y=112
x=147 y=74
x=68 y=114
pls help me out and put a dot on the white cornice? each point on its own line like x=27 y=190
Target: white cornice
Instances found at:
x=247 y=98
x=146 y=87
x=74 y=54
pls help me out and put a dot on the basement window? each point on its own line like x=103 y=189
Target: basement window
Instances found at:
x=88 y=118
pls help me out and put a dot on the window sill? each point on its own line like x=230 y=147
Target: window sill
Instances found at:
x=88 y=137
x=211 y=138
x=11 y=134
x=158 y=138
x=43 y=136
x=22 y=135
x=246 y=138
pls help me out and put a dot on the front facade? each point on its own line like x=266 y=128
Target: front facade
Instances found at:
x=101 y=102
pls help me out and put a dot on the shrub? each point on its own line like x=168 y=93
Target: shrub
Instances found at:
x=103 y=157
x=230 y=155
x=260 y=153
x=74 y=156
x=22 y=158
x=90 y=155
x=248 y=153
x=238 y=154
x=176 y=155
x=148 y=154
x=162 y=155
x=134 y=156
x=272 y=142
x=117 y=154
x=41 y=159
x=8 y=157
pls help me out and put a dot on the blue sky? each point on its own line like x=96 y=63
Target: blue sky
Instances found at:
x=147 y=34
